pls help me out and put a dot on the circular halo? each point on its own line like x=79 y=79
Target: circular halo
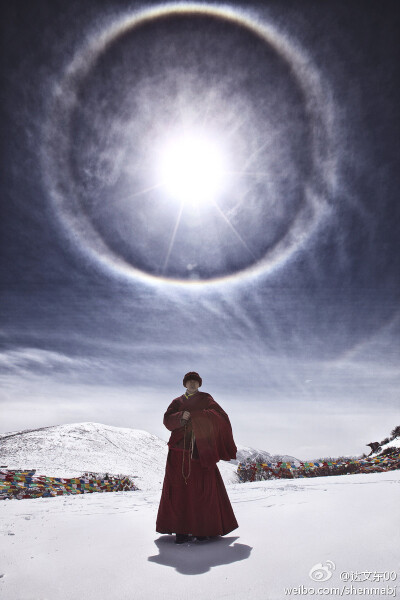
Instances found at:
x=78 y=228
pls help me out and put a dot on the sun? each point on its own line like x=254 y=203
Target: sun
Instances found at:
x=192 y=169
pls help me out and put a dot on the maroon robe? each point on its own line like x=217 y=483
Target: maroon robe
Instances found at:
x=201 y=506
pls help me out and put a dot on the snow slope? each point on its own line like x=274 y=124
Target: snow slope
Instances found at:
x=105 y=547
x=393 y=444
x=70 y=450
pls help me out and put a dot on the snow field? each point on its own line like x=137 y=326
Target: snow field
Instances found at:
x=105 y=547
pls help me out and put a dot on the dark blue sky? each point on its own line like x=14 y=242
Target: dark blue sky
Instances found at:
x=283 y=292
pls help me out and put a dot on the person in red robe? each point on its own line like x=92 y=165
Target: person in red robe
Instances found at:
x=194 y=501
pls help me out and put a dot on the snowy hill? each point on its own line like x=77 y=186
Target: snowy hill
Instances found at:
x=245 y=453
x=391 y=444
x=70 y=450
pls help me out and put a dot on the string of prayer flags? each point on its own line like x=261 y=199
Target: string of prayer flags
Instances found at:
x=25 y=484
x=253 y=471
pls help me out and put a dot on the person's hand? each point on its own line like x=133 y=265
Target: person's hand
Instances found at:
x=185 y=418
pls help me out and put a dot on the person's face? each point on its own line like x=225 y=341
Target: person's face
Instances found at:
x=192 y=385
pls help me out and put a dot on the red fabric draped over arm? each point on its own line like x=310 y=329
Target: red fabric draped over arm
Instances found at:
x=213 y=433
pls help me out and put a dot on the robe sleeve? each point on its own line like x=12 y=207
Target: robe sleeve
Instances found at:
x=172 y=417
x=213 y=433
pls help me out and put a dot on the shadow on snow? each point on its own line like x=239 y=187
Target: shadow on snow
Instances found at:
x=195 y=557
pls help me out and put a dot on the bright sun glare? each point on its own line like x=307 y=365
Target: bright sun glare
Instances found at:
x=192 y=169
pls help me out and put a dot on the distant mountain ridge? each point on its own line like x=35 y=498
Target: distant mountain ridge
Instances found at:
x=245 y=453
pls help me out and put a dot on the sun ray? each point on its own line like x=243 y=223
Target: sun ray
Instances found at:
x=255 y=153
x=243 y=172
x=238 y=124
x=99 y=205
x=237 y=234
x=142 y=192
x=171 y=243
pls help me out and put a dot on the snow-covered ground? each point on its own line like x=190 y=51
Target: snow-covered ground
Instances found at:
x=105 y=547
